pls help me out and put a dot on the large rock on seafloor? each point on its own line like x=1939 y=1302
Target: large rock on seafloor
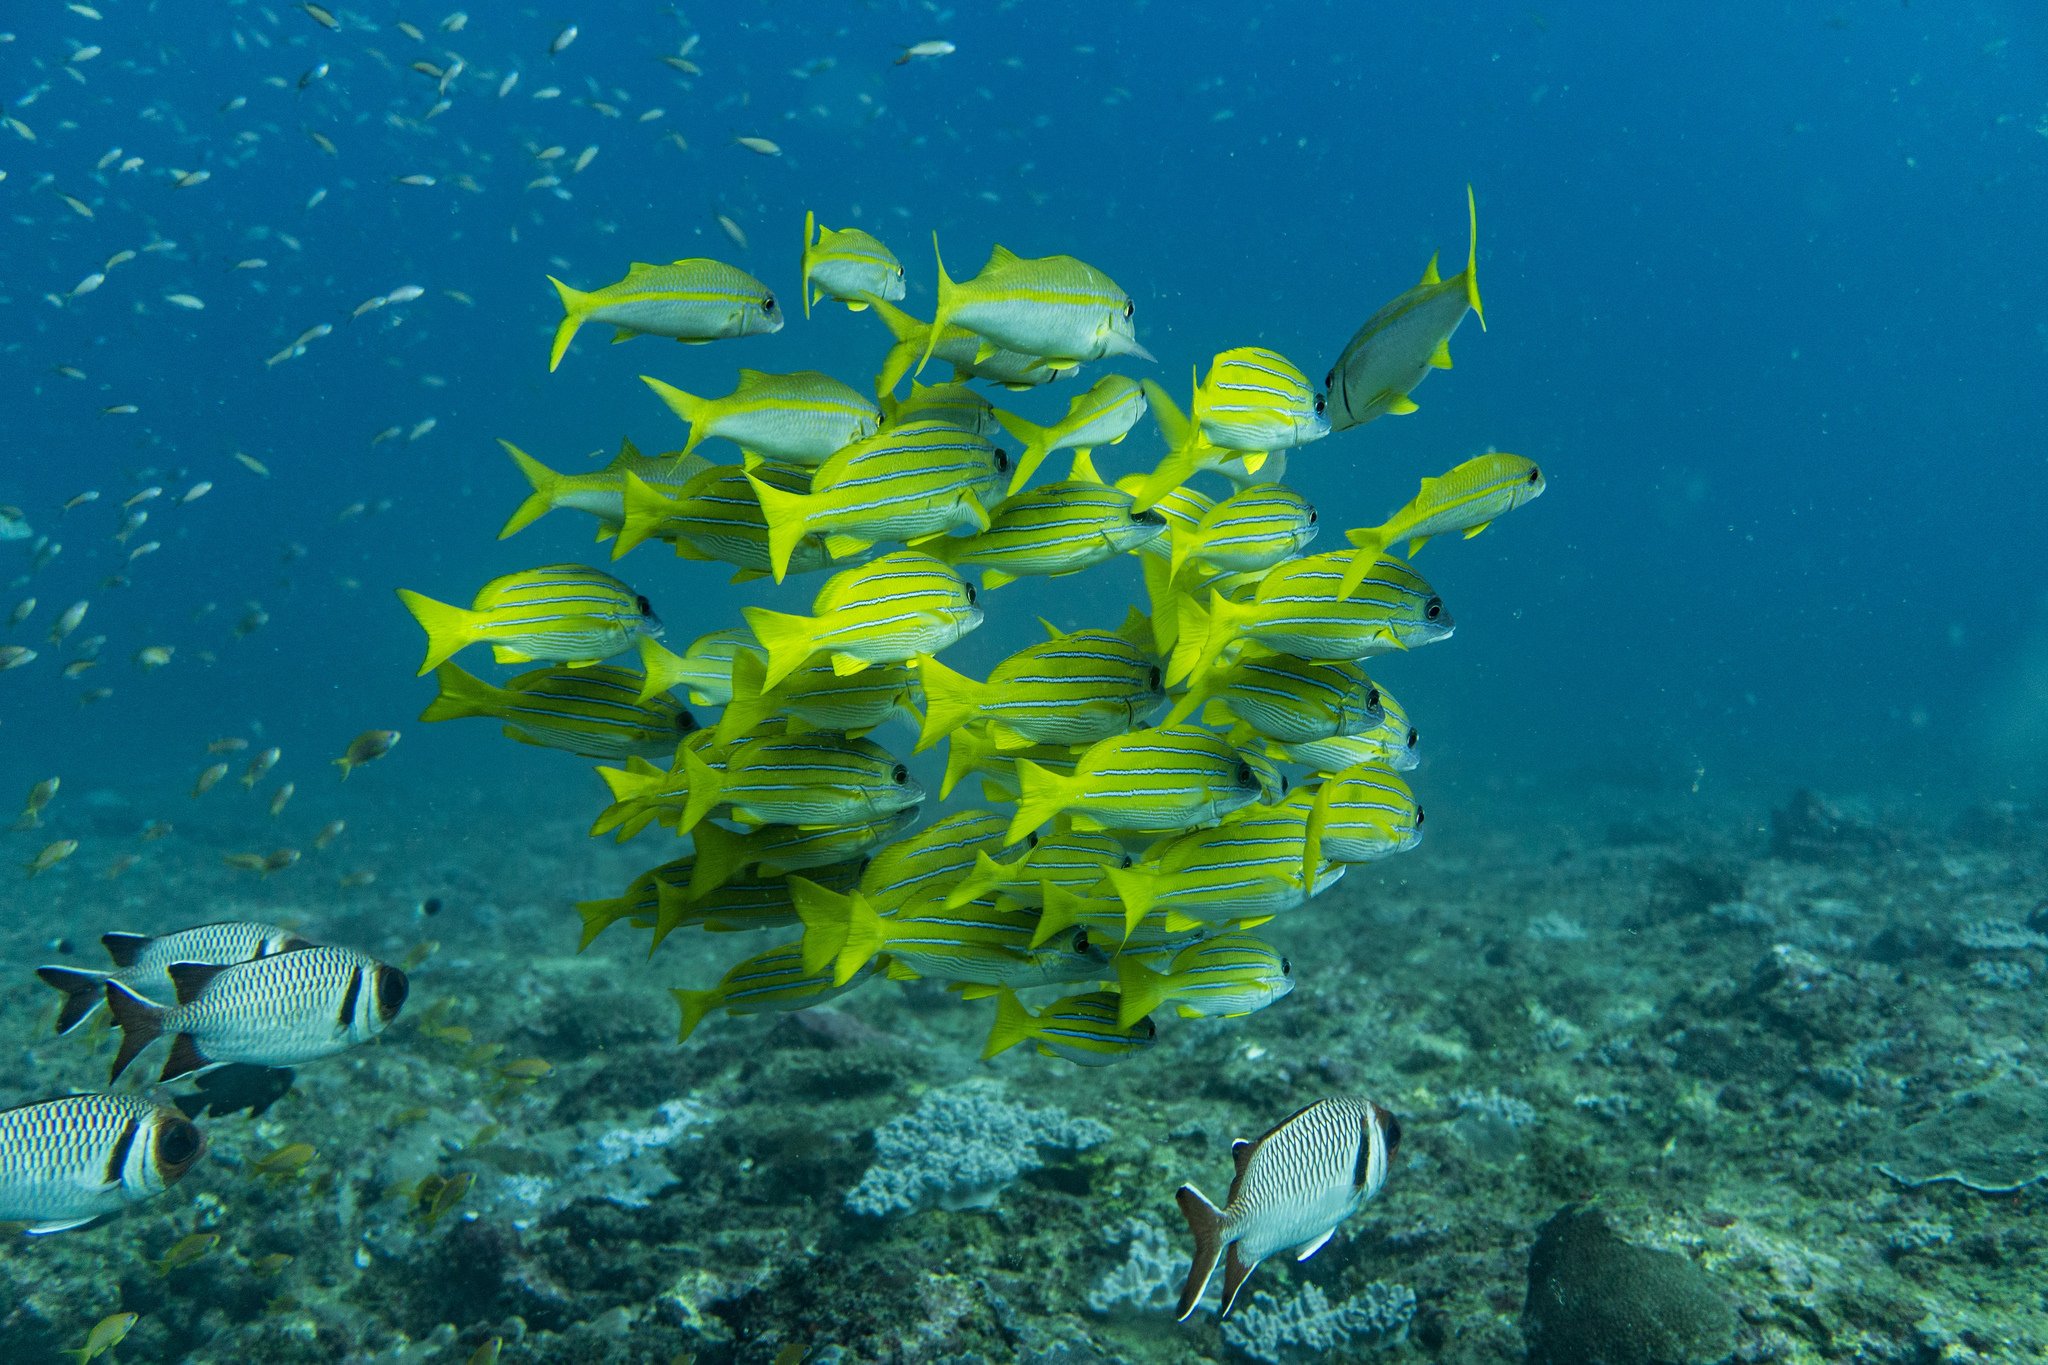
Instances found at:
x=1595 y=1299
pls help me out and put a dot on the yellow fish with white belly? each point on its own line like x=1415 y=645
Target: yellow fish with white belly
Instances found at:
x=693 y=301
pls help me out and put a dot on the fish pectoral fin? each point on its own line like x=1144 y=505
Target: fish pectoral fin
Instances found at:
x=897 y=971
x=846 y=665
x=1255 y=461
x=844 y=546
x=1309 y=1249
x=1400 y=405
x=1471 y=533
x=855 y=305
x=984 y=351
x=1441 y=356
x=620 y=334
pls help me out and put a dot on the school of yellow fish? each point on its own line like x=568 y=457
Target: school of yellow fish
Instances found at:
x=1159 y=794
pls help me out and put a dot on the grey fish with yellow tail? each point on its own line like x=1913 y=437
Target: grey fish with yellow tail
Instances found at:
x=595 y=712
x=970 y=354
x=1400 y=344
x=953 y=404
x=693 y=301
x=798 y=418
x=1293 y=1185
x=560 y=613
x=848 y=265
x=704 y=668
x=1054 y=530
x=889 y=610
x=1103 y=415
x=1147 y=779
x=1052 y=306
x=280 y=1010
x=65 y=1162
x=1466 y=499
x=142 y=962
x=600 y=493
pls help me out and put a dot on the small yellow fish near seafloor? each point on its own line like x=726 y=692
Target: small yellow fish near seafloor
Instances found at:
x=1125 y=856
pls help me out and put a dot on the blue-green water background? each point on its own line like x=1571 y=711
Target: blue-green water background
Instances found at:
x=1765 y=298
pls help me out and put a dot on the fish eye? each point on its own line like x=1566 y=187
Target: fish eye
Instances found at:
x=968 y=588
x=1129 y=310
x=178 y=1144
x=1330 y=380
x=1414 y=736
x=1372 y=700
x=685 y=722
x=899 y=272
x=392 y=988
x=1312 y=515
x=1434 y=609
x=1418 y=817
x=1535 y=476
x=1321 y=403
x=768 y=303
x=1244 y=774
x=1128 y=860
x=643 y=606
x=1002 y=460
x=1286 y=967
x=1031 y=841
x=1080 y=940
x=1153 y=680
x=899 y=774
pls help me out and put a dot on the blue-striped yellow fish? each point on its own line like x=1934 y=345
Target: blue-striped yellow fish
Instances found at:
x=1073 y=861
x=848 y=265
x=1183 y=507
x=1361 y=815
x=976 y=945
x=1246 y=869
x=596 y=712
x=1073 y=689
x=1052 y=306
x=1188 y=451
x=922 y=868
x=818 y=696
x=1148 y=779
x=1101 y=913
x=694 y=300
x=1254 y=528
x=1104 y=415
x=798 y=418
x=704 y=668
x=970 y=354
x=1466 y=499
x=773 y=981
x=888 y=610
x=660 y=899
x=1298 y=609
x=1084 y=1029
x=806 y=780
x=971 y=752
x=906 y=483
x=1401 y=343
x=1394 y=743
x=1254 y=398
x=560 y=613
x=601 y=493
x=776 y=850
x=1054 y=529
x=718 y=516
x=1219 y=978
x=1285 y=699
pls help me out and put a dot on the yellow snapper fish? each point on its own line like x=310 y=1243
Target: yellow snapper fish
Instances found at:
x=905 y=483
x=920 y=869
x=1052 y=306
x=1254 y=528
x=595 y=712
x=798 y=418
x=802 y=780
x=1393 y=743
x=818 y=697
x=972 y=752
x=1054 y=530
x=1254 y=398
x=848 y=265
x=600 y=493
x=889 y=610
x=1220 y=978
x=718 y=516
x=1188 y=451
x=1246 y=869
x=1401 y=343
x=1104 y=415
x=1083 y=1029
x=1466 y=499
x=561 y=613
x=720 y=854
x=969 y=353
x=694 y=301
x=774 y=980
x=1284 y=699
x=1164 y=778
x=976 y=945
x=1073 y=862
x=1361 y=815
x=704 y=669
x=1072 y=689
x=659 y=899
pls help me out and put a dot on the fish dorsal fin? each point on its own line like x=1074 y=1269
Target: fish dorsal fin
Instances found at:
x=125 y=948
x=1052 y=632
x=1241 y=1152
x=751 y=379
x=640 y=267
x=1429 y=275
x=191 y=978
x=1001 y=258
x=1084 y=469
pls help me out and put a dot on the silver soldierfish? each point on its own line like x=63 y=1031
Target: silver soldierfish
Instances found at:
x=1294 y=1185
x=64 y=1162
x=275 y=1011
x=142 y=963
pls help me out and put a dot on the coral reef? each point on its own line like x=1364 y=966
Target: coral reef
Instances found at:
x=961 y=1148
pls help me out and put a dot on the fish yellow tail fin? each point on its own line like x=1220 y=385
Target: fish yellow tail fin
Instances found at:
x=965 y=751
x=661 y=669
x=539 y=502
x=719 y=854
x=1183 y=440
x=1140 y=990
x=1138 y=889
x=826 y=916
x=1063 y=909
x=462 y=694
x=599 y=916
x=449 y=629
x=707 y=788
x=688 y=406
x=948 y=301
x=1312 y=833
x=643 y=510
x=575 y=307
x=788 y=516
x=694 y=1005
x=1013 y=1025
x=950 y=701
x=1200 y=635
x=1472 y=259
x=986 y=876
x=750 y=704
x=1037 y=445
x=1205 y=1221
x=810 y=234
x=786 y=638
x=1041 y=794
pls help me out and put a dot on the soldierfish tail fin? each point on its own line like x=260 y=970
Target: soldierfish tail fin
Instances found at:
x=986 y=876
x=575 y=307
x=462 y=695
x=1041 y=795
x=1138 y=889
x=687 y=406
x=787 y=515
x=539 y=502
x=1036 y=441
x=1360 y=564
x=140 y=1022
x=1205 y=1221
x=1140 y=990
x=950 y=701
x=786 y=638
x=751 y=704
x=718 y=854
x=707 y=788
x=947 y=303
x=694 y=1005
x=810 y=229
x=1472 y=259
x=448 y=628
x=83 y=991
x=1013 y=1024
